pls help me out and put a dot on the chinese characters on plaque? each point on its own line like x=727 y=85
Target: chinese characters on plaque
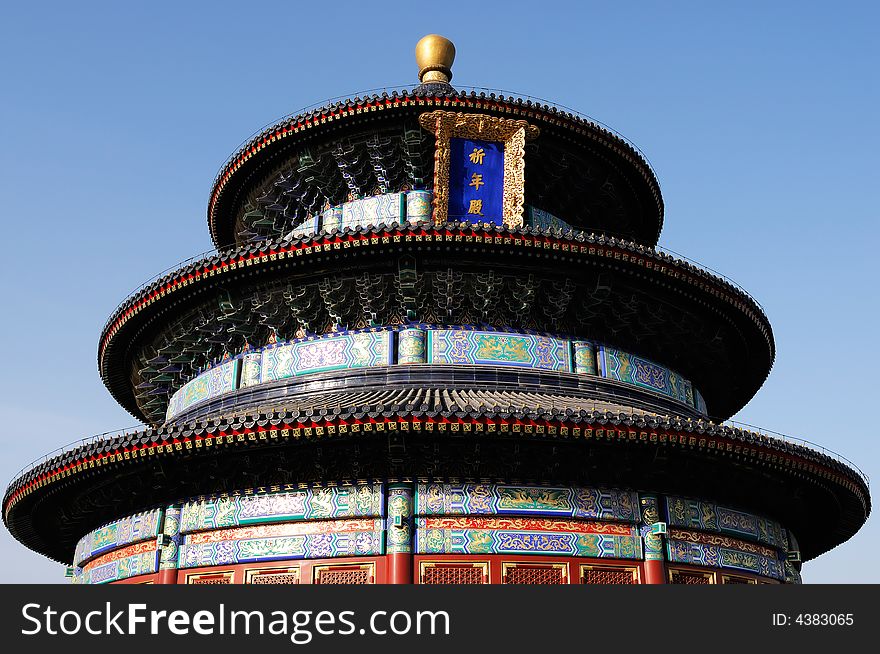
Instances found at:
x=476 y=181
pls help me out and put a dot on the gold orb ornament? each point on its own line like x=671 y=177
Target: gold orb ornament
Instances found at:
x=434 y=57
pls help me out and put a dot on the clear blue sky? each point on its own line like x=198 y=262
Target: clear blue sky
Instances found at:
x=760 y=120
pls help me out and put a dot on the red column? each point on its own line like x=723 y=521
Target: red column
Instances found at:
x=167 y=577
x=400 y=568
x=399 y=501
x=655 y=572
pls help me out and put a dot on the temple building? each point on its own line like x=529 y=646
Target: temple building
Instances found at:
x=436 y=344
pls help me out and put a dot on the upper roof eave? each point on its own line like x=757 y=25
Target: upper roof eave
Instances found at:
x=425 y=97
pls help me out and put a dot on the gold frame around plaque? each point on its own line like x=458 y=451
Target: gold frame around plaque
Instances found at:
x=447 y=125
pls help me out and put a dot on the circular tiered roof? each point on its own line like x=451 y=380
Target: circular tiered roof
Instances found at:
x=627 y=295
x=578 y=169
x=461 y=434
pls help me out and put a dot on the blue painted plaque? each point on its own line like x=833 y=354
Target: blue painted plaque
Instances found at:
x=476 y=181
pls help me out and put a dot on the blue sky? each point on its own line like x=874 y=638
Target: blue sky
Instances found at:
x=759 y=119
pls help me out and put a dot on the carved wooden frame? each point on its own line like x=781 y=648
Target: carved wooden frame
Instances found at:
x=446 y=125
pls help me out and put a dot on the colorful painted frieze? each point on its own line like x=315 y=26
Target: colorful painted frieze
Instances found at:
x=436 y=499
x=411 y=344
x=134 y=528
x=170 y=549
x=385 y=209
x=399 y=523
x=209 y=384
x=429 y=345
x=650 y=515
x=251 y=364
x=722 y=552
x=357 y=350
x=540 y=536
x=632 y=369
x=419 y=206
x=686 y=535
x=131 y=561
x=298 y=540
x=459 y=346
x=706 y=516
x=584 y=358
x=740 y=523
x=303 y=504
x=393 y=208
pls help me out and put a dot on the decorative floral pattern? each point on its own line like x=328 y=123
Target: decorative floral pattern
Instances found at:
x=693 y=514
x=584 y=358
x=250 y=369
x=579 y=502
x=425 y=344
x=374 y=210
x=131 y=561
x=718 y=556
x=212 y=383
x=497 y=348
x=419 y=206
x=131 y=529
x=356 y=350
x=364 y=500
x=632 y=369
x=400 y=511
x=303 y=540
x=411 y=346
x=526 y=536
x=170 y=528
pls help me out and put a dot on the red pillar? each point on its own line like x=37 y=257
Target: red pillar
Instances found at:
x=399 y=530
x=400 y=568
x=167 y=577
x=655 y=572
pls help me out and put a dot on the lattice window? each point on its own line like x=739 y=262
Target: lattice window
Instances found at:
x=455 y=573
x=210 y=578
x=689 y=578
x=274 y=576
x=606 y=576
x=345 y=575
x=534 y=574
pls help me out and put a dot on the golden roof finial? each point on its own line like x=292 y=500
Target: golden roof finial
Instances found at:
x=434 y=57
